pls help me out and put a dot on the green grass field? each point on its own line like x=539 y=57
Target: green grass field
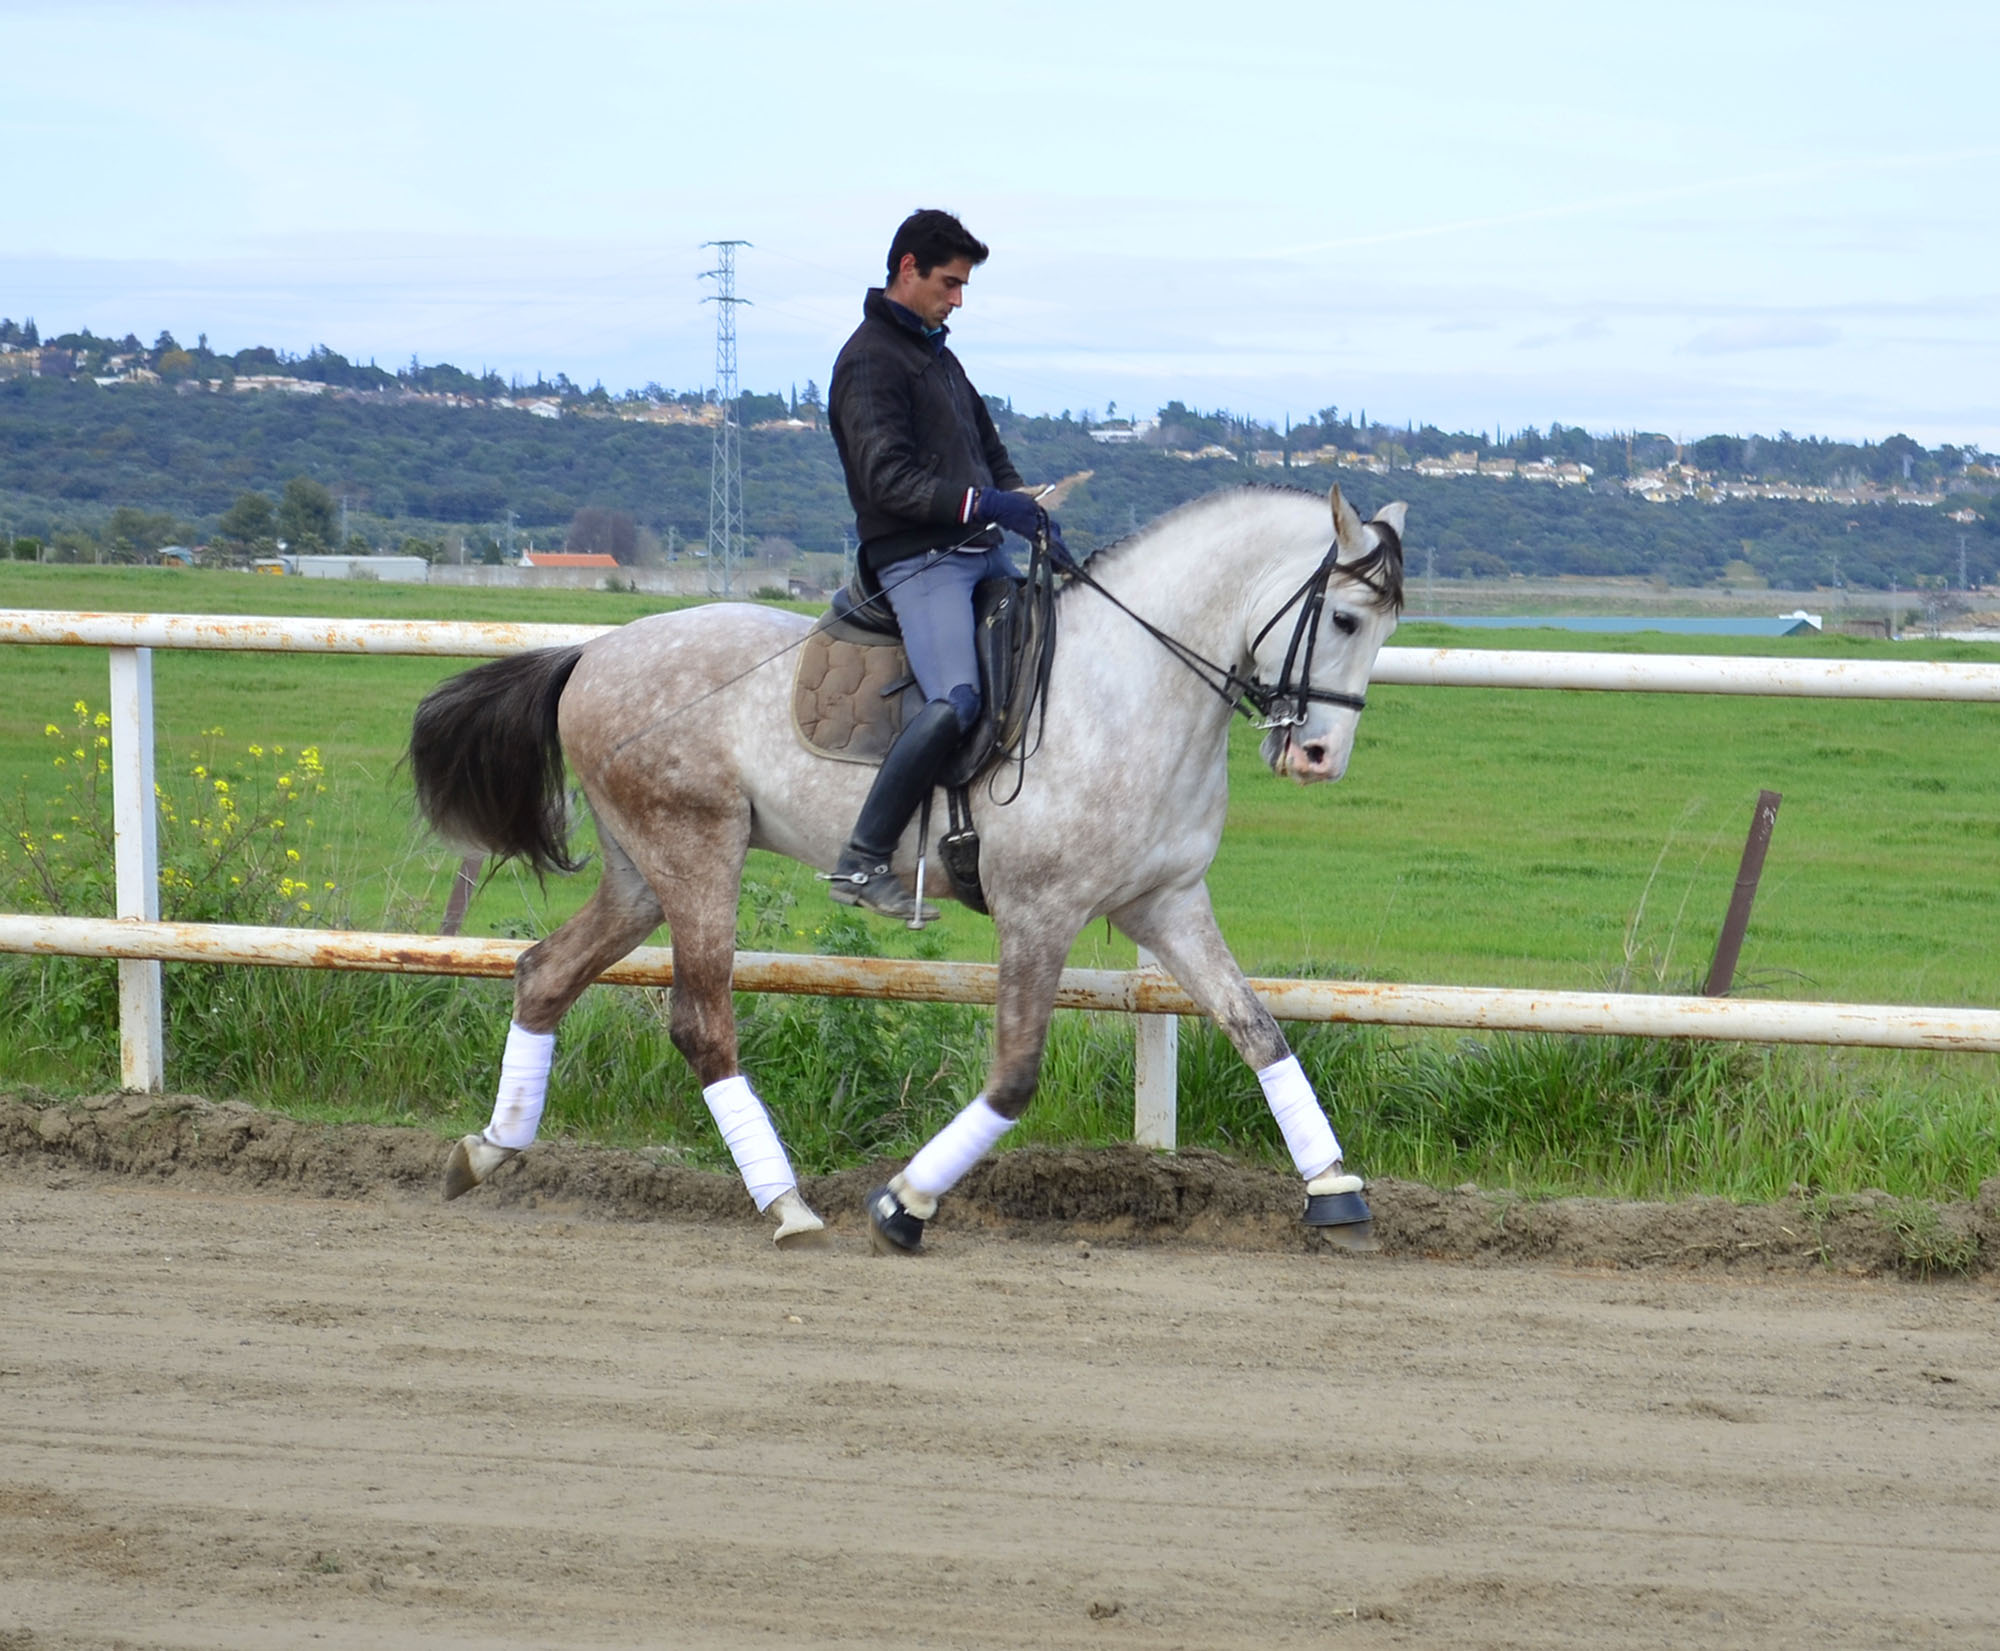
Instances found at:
x=1508 y=838
x=1481 y=837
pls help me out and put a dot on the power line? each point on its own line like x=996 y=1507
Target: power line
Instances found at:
x=726 y=539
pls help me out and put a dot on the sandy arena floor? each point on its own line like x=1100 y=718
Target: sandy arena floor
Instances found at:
x=257 y=1416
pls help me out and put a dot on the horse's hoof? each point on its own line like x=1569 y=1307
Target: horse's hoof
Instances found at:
x=472 y=1160
x=798 y=1227
x=1336 y=1209
x=891 y=1228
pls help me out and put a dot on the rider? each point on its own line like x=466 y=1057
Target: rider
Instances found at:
x=932 y=486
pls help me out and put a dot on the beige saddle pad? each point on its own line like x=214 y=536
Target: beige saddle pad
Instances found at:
x=839 y=708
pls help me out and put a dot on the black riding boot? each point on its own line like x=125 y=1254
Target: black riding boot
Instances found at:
x=909 y=773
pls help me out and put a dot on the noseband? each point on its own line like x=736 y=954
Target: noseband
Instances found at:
x=1285 y=703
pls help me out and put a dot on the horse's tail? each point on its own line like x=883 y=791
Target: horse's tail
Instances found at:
x=488 y=762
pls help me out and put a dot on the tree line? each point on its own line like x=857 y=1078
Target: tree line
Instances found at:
x=94 y=472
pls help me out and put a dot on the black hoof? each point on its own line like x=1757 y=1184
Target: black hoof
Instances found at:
x=1337 y=1209
x=1342 y=1221
x=891 y=1228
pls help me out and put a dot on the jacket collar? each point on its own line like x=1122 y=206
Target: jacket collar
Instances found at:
x=882 y=307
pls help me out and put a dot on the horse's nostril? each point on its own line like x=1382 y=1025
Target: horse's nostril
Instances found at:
x=1315 y=754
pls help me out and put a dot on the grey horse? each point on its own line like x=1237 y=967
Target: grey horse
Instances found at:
x=678 y=727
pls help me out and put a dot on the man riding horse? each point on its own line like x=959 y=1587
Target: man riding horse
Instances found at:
x=932 y=488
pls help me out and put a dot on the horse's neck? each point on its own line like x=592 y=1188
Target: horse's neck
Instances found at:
x=1193 y=580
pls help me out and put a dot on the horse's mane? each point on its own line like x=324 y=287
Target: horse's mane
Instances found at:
x=1381 y=569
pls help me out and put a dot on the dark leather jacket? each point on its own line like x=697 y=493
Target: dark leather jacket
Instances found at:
x=913 y=435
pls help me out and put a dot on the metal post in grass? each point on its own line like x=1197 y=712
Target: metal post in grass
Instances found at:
x=1722 y=972
x=136 y=839
x=1155 y=1075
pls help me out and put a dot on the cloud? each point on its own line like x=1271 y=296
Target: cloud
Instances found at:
x=1768 y=333
x=1577 y=332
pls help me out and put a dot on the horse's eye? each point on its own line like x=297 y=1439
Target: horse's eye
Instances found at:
x=1346 y=623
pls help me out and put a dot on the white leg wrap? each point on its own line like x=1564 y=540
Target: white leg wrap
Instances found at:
x=947 y=1155
x=753 y=1143
x=524 y=1085
x=1300 y=1116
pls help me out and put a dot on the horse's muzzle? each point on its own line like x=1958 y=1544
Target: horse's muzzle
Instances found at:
x=1313 y=760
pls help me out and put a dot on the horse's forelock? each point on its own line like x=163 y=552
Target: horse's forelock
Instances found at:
x=1381 y=569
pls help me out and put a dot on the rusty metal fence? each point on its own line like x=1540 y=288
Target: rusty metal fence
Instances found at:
x=141 y=942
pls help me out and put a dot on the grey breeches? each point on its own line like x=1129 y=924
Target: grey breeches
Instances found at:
x=934 y=608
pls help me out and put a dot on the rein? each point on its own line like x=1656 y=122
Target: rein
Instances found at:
x=1282 y=704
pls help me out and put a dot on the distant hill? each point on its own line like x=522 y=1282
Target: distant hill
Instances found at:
x=434 y=455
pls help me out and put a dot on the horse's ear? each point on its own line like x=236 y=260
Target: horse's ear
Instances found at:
x=1391 y=515
x=1346 y=524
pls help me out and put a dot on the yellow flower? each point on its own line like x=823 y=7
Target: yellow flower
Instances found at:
x=56 y=837
x=292 y=855
x=102 y=719
x=277 y=825
x=199 y=772
x=328 y=887
x=81 y=709
x=305 y=905
x=221 y=786
x=53 y=731
x=256 y=750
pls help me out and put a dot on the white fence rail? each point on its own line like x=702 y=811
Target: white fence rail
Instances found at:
x=141 y=942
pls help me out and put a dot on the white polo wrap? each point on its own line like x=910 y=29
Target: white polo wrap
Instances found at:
x=943 y=1160
x=524 y=1085
x=1300 y=1117
x=753 y=1143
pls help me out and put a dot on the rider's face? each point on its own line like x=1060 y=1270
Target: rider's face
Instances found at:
x=931 y=298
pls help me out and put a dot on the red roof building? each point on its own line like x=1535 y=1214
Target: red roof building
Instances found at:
x=570 y=559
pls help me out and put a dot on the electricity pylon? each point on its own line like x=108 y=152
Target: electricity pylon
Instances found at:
x=726 y=539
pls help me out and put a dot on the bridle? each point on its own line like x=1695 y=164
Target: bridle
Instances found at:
x=1286 y=702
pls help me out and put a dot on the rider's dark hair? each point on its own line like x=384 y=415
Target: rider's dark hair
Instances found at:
x=932 y=238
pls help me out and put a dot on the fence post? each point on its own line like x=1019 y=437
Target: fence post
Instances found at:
x=135 y=823
x=1729 y=944
x=1155 y=1078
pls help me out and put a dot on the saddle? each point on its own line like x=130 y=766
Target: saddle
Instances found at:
x=852 y=691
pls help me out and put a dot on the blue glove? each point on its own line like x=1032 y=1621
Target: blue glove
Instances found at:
x=1016 y=512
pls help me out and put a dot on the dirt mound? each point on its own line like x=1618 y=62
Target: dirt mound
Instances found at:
x=1116 y=1193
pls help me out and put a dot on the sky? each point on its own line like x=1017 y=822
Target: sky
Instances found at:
x=1708 y=217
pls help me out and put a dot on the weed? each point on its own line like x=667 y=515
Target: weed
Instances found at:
x=1927 y=1244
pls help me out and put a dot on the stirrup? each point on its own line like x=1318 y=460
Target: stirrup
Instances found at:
x=874 y=887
